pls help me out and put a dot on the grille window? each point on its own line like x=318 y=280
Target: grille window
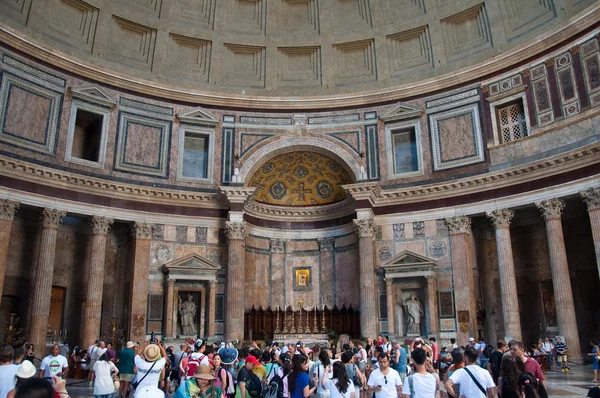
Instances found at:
x=512 y=123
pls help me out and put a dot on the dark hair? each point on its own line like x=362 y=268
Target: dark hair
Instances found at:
x=347 y=356
x=255 y=352
x=594 y=341
x=457 y=355
x=346 y=347
x=530 y=386
x=379 y=349
x=500 y=343
x=509 y=371
x=265 y=357
x=104 y=357
x=35 y=387
x=339 y=373
x=419 y=356
x=452 y=340
x=471 y=354
x=297 y=362
x=286 y=364
x=7 y=353
x=324 y=358
x=432 y=339
x=383 y=355
x=19 y=352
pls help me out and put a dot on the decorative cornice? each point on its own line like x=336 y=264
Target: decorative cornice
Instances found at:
x=100 y=225
x=500 y=218
x=591 y=197
x=307 y=213
x=142 y=230
x=536 y=46
x=551 y=208
x=236 y=230
x=459 y=225
x=277 y=245
x=364 y=228
x=363 y=190
x=8 y=208
x=237 y=194
x=51 y=218
x=326 y=244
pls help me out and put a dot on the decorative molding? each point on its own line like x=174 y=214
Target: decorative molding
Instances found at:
x=306 y=213
x=141 y=230
x=365 y=228
x=198 y=116
x=236 y=230
x=100 y=225
x=8 y=208
x=467 y=33
x=551 y=208
x=237 y=194
x=500 y=218
x=94 y=94
x=459 y=225
x=326 y=244
x=347 y=72
x=277 y=245
x=591 y=197
x=400 y=112
x=51 y=218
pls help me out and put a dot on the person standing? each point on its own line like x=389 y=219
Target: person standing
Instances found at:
x=248 y=383
x=8 y=370
x=517 y=349
x=103 y=382
x=54 y=364
x=384 y=380
x=200 y=385
x=561 y=354
x=126 y=357
x=548 y=348
x=299 y=383
x=150 y=369
x=495 y=361
x=474 y=381
x=399 y=359
x=595 y=354
x=421 y=384
x=435 y=352
x=340 y=386
x=480 y=347
x=322 y=370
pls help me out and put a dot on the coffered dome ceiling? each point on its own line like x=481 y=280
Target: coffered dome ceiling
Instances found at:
x=300 y=179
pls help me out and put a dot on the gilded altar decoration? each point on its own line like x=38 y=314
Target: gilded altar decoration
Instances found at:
x=302 y=278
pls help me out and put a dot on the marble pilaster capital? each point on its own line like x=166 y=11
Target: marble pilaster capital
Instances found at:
x=8 y=208
x=326 y=244
x=171 y=283
x=389 y=282
x=100 y=225
x=277 y=245
x=458 y=225
x=591 y=197
x=500 y=218
x=51 y=218
x=212 y=284
x=551 y=208
x=236 y=230
x=365 y=228
x=142 y=230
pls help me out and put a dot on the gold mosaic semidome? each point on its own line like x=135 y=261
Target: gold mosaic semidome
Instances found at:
x=300 y=179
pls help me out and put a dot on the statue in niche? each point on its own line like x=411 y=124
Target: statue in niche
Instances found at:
x=187 y=315
x=414 y=309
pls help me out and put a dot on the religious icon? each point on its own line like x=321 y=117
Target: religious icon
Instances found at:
x=302 y=277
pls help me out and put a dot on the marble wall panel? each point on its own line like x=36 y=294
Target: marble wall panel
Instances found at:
x=257 y=278
x=257 y=242
x=417 y=247
x=184 y=250
x=346 y=240
x=301 y=245
x=307 y=261
x=347 y=279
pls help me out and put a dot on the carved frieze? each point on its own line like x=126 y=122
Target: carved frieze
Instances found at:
x=8 y=208
x=551 y=208
x=500 y=218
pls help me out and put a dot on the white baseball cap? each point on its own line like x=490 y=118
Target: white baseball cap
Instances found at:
x=471 y=339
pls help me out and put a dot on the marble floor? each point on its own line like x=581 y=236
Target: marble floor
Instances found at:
x=576 y=383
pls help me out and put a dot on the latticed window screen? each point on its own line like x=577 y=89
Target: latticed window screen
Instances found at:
x=511 y=119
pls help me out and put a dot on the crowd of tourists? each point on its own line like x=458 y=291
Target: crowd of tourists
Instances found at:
x=379 y=368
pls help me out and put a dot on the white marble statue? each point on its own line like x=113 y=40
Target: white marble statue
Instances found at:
x=187 y=316
x=414 y=309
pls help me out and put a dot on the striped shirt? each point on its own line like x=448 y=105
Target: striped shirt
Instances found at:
x=561 y=348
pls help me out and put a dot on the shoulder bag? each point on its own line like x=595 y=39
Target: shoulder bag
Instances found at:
x=476 y=381
x=137 y=383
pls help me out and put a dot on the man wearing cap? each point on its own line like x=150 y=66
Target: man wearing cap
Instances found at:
x=200 y=385
x=126 y=357
x=248 y=382
x=150 y=368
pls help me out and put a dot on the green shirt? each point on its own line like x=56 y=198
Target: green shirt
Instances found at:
x=126 y=361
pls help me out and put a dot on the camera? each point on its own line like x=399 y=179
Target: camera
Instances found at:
x=153 y=338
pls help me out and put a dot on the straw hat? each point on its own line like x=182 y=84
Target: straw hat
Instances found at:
x=152 y=353
x=203 y=372
x=25 y=370
x=130 y=344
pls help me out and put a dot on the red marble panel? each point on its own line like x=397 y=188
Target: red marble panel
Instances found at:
x=457 y=137
x=27 y=115
x=142 y=146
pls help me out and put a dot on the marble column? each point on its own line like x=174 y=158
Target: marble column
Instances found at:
x=142 y=234
x=8 y=209
x=592 y=198
x=561 y=280
x=328 y=288
x=170 y=309
x=42 y=291
x=235 y=305
x=462 y=273
x=212 y=287
x=432 y=304
x=506 y=266
x=391 y=306
x=368 y=303
x=95 y=282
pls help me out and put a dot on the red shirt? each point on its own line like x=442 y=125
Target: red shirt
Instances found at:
x=533 y=367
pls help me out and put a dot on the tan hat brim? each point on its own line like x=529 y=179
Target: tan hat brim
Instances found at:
x=204 y=376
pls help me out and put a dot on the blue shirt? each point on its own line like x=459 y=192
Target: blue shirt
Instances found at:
x=302 y=381
x=402 y=361
x=481 y=348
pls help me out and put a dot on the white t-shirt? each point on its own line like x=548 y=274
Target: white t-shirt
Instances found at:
x=330 y=385
x=7 y=378
x=468 y=387
x=98 y=353
x=389 y=383
x=203 y=359
x=424 y=385
x=103 y=383
x=142 y=369
x=387 y=348
x=90 y=349
x=318 y=372
x=53 y=365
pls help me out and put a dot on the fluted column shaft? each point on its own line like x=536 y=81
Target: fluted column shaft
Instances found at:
x=368 y=308
x=506 y=267
x=8 y=209
x=42 y=291
x=211 y=308
x=169 y=308
x=561 y=280
x=432 y=304
x=235 y=305
x=95 y=283
x=592 y=198
x=142 y=233
x=391 y=319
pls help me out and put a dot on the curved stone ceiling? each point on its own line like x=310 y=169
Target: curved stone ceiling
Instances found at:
x=300 y=179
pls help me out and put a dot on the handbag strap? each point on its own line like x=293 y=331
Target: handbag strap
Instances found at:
x=147 y=373
x=476 y=381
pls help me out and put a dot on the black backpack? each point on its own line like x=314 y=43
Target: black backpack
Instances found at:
x=487 y=351
x=274 y=389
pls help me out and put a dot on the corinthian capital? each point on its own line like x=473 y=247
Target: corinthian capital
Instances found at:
x=142 y=230
x=236 y=230
x=100 y=225
x=551 y=208
x=591 y=197
x=500 y=218
x=277 y=245
x=8 y=208
x=365 y=228
x=459 y=224
x=51 y=218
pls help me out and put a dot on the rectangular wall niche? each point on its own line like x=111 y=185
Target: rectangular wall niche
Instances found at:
x=406 y=159
x=87 y=135
x=195 y=155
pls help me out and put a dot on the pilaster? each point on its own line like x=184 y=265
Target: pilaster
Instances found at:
x=591 y=197
x=235 y=305
x=142 y=234
x=8 y=208
x=365 y=229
